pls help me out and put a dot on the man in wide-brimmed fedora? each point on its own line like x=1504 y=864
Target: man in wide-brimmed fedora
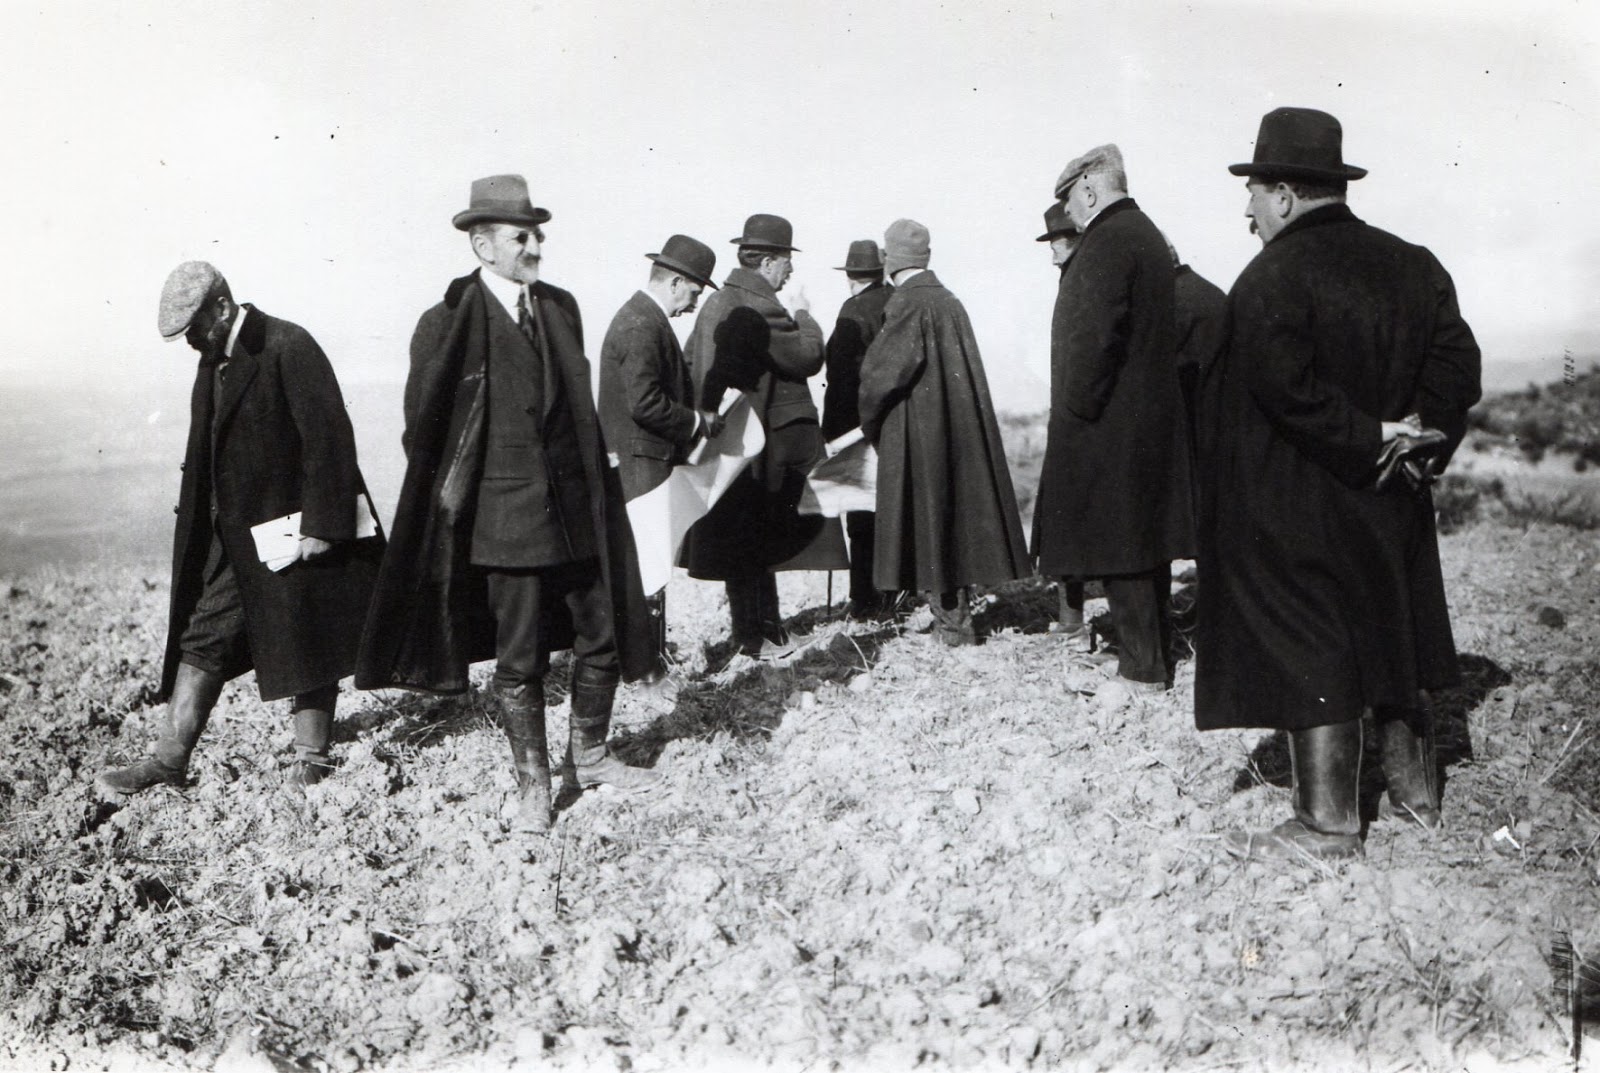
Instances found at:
x=505 y=539
x=647 y=412
x=269 y=442
x=1114 y=495
x=745 y=340
x=859 y=320
x=1321 y=593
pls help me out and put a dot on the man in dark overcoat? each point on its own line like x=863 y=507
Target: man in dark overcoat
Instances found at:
x=947 y=513
x=646 y=404
x=745 y=340
x=1114 y=496
x=503 y=541
x=1202 y=313
x=268 y=439
x=1321 y=593
x=859 y=320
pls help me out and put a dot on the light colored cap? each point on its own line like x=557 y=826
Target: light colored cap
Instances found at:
x=1100 y=158
x=183 y=294
x=905 y=245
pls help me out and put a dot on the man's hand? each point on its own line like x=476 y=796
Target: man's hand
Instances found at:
x=798 y=302
x=1409 y=426
x=710 y=423
x=311 y=547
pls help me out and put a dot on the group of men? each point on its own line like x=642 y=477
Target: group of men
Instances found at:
x=1282 y=436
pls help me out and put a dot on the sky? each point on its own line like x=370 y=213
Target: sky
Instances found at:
x=316 y=153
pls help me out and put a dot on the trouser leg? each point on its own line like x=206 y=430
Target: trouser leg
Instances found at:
x=1138 y=605
x=865 y=599
x=744 y=608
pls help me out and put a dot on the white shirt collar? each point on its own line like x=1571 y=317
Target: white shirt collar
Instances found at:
x=233 y=332
x=659 y=303
x=505 y=290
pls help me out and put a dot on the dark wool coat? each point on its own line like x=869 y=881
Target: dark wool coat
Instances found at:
x=745 y=340
x=947 y=514
x=1318 y=594
x=283 y=444
x=859 y=320
x=1114 y=492
x=429 y=617
x=646 y=396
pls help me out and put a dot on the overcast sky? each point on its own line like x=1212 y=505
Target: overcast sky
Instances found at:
x=316 y=152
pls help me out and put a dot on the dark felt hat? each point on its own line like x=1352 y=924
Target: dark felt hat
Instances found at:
x=1057 y=224
x=688 y=257
x=502 y=199
x=1299 y=143
x=767 y=232
x=864 y=257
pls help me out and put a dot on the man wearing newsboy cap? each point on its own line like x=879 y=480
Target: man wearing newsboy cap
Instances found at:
x=1321 y=594
x=505 y=539
x=1114 y=494
x=270 y=445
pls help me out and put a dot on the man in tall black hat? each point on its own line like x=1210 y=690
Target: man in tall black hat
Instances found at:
x=646 y=405
x=859 y=320
x=745 y=340
x=1321 y=593
x=1114 y=496
x=505 y=540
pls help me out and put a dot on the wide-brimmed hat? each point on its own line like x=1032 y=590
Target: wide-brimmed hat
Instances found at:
x=1299 y=143
x=501 y=199
x=906 y=245
x=183 y=294
x=864 y=256
x=688 y=257
x=767 y=232
x=1057 y=224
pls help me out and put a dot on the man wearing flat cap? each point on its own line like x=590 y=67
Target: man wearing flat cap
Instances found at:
x=947 y=513
x=647 y=414
x=505 y=540
x=1321 y=594
x=1114 y=496
x=745 y=340
x=859 y=320
x=270 y=447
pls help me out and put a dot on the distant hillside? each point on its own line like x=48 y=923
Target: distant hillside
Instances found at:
x=1563 y=417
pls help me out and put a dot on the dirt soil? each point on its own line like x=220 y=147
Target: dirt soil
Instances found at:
x=882 y=854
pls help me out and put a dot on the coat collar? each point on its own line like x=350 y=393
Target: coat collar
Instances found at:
x=925 y=278
x=253 y=333
x=748 y=279
x=1337 y=213
x=1116 y=208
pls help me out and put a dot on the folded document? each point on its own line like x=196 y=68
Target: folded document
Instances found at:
x=278 y=540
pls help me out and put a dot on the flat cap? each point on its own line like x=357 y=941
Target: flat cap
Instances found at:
x=183 y=294
x=1101 y=158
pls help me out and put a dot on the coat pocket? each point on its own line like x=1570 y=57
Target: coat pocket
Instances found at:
x=649 y=447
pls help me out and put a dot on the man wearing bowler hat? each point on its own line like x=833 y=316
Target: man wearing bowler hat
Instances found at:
x=269 y=442
x=506 y=542
x=745 y=340
x=859 y=320
x=646 y=393
x=1321 y=594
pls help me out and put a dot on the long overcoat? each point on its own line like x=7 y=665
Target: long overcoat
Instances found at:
x=1114 y=492
x=1320 y=595
x=430 y=617
x=860 y=317
x=745 y=340
x=283 y=444
x=947 y=512
x=646 y=395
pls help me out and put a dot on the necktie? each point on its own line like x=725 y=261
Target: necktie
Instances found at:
x=525 y=318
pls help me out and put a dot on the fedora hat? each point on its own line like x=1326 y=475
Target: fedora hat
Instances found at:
x=502 y=199
x=767 y=232
x=1057 y=224
x=864 y=257
x=1299 y=143
x=688 y=257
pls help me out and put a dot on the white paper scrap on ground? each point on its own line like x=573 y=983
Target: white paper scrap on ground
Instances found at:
x=278 y=540
x=845 y=481
x=662 y=516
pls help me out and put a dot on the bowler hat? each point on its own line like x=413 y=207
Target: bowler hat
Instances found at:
x=688 y=257
x=1299 y=143
x=906 y=246
x=186 y=290
x=502 y=199
x=1057 y=224
x=864 y=257
x=767 y=232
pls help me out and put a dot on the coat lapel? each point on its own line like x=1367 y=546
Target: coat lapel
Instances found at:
x=243 y=366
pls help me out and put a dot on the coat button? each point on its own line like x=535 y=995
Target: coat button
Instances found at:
x=174 y=508
x=182 y=466
x=531 y=411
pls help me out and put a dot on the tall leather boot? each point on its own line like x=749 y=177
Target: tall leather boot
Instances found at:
x=1405 y=743
x=1326 y=762
x=589 y=760
x=194 y=694
x=770 y=617
x=313 y=731
x=522 y=718
x=744 y=608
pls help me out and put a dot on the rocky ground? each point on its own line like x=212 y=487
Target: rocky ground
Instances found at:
x=882 y=854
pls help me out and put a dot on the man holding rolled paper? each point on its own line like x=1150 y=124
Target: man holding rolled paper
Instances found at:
x=271 y=457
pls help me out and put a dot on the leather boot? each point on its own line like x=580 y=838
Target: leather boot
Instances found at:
x=744 y=608
x=589 y=761
x=771 y=618
x=1326 y=762
x=194 y=694
x=1409 y=765
x=522 y=717
x=313 y=730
